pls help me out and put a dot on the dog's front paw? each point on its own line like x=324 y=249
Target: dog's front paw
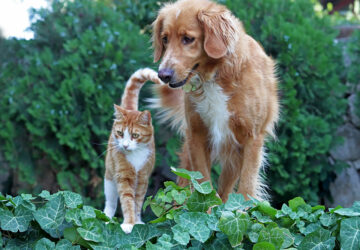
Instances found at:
x=127 y=228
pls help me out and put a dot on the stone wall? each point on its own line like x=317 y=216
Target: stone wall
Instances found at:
x=346 y=187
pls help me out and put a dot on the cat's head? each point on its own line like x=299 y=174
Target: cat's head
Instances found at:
x=131 y=129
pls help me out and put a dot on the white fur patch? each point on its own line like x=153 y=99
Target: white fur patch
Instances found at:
x=138 y=157
x=111 y=198
x=127 y=228
x=177 y=14
x=212 y=107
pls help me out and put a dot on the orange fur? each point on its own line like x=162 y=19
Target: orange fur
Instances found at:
x=130 y=155
x=235 y=103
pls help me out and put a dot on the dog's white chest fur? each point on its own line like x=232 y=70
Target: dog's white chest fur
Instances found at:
x=138 y=157
x=212 y=108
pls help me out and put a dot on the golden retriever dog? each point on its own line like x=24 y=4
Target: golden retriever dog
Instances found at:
x=232 y=104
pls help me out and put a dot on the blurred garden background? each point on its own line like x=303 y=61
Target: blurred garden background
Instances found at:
x=58 y=89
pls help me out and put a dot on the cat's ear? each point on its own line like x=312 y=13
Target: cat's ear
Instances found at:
x=119 y=112
x=145 y=118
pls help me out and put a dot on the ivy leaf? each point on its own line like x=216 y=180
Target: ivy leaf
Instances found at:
x=261 y=218
x=27 y=197
x=180 y=235
x=179 y=197
x=272 y=235
x=204 y=188
x=65 y=245
x=1 y=240
x=101 y=215
x=199 y=202
x=165 y=241
x=44 y=243
x=351 y=211
x=213 y=221
x=189 y=175
x=45 y=195
x=221 y=242
x=73 y=215
x=296 y=202
x=87 y=212
x=157 y=209
x=142 y=233
x=72 y=200
x=267 y=209
x=264 y=246
x=195 y=224
x=237 y=202
x=18 y=222
x=288 y=238
x=52 y=215
x=234 y=226
x=72 y=235
x=20 y=244
x=91 y=230
x=320 y=239
x=350 y=233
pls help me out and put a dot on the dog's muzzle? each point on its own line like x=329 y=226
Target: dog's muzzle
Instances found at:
x=183 y=82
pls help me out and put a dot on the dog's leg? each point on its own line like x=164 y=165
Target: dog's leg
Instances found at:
x=198 y=145
x=200 y=154
x=231 y=169
x=249 y=176
x=184 y=163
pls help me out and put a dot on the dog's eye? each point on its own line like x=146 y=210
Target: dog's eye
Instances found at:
x=165 y=40
x=187 y=40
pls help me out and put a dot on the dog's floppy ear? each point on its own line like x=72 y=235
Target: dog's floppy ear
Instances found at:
x=156 y=38
x=219 y=30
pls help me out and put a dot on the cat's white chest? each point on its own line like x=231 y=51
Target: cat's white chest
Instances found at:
x=212 y=108
x=138 y=158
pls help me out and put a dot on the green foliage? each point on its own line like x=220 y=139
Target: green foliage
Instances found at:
x=56 y=221
x=354 y=70
x=58 y=90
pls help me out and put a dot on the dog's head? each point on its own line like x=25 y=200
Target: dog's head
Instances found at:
x=191 y=37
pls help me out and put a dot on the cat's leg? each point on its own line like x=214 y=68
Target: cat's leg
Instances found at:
x=141 y=188
x=111 y=197
x=126 y=189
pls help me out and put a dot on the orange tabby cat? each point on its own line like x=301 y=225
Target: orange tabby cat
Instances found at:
x=131 y=153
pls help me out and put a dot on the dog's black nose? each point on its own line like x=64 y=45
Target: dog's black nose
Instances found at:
x=166 y=74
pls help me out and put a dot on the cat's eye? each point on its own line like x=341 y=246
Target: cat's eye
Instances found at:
x=120 y=133
x=134 y=135
x=187 y=40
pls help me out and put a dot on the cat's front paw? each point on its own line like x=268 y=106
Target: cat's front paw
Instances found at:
x=127 y=228
x=139 y=222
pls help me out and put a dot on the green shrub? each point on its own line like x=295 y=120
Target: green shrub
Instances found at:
x=62 y=221
x=58 y=90
x=353 y=74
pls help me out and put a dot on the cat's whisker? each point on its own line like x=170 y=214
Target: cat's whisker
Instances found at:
x=110 y=148
x=99 y=144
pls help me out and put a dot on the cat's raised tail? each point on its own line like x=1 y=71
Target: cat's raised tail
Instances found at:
x=130 y=98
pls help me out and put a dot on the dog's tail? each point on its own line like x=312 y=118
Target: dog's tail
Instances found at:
x=171 y=107
x=130 y=97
